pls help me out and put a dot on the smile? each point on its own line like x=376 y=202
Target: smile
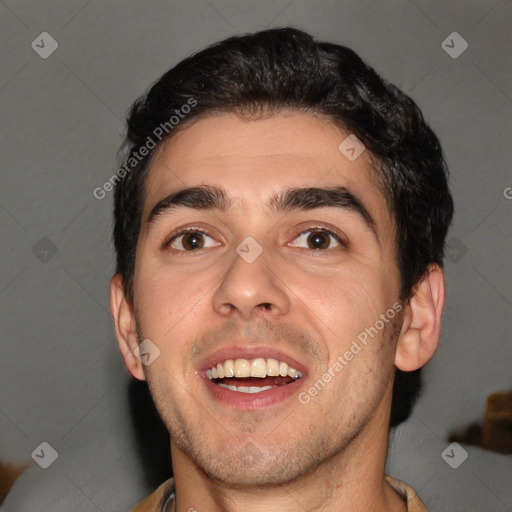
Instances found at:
x=252 y=376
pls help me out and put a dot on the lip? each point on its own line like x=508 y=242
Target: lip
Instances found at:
x=249 y=352
x=251 y=401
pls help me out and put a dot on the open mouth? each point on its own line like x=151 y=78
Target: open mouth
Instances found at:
x=252 y=376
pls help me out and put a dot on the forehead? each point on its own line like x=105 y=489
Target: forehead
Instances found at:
x=255 y=159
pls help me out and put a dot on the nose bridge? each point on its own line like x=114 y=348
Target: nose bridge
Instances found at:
x=249 y=283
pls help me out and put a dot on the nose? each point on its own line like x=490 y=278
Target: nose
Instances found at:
x=250 y=288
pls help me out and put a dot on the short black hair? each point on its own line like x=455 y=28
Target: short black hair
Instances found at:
x=285 y=68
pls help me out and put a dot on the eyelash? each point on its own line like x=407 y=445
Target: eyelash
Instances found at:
x=321 y=229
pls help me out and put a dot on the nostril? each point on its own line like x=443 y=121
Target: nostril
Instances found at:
x=266 y=306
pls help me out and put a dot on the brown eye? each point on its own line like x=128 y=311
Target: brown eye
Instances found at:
x=320 y=239
x=189 y=241
x=192 y=241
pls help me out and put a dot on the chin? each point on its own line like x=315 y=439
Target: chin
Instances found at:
x=250 y=465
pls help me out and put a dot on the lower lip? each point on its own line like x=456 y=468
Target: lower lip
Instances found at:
x=248 y=401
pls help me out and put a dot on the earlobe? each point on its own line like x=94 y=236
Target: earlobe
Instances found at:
x=125 y=327
x=419 y=337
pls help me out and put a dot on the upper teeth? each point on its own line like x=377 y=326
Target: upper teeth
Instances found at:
x=252 y=368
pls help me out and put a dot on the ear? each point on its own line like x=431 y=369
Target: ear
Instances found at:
x=125 y=327
x=419 y=337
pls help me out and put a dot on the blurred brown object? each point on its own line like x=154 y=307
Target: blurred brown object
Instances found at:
x=496 y=432
x=8 y=475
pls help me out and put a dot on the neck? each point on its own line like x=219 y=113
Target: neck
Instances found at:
x=352 y=480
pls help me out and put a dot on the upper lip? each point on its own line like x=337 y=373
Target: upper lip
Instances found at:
x=249 y=352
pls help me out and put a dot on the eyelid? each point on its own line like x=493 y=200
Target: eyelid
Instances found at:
x=341 y=239
x=180 y=232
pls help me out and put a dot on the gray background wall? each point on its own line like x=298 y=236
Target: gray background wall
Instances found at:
x=62 y=380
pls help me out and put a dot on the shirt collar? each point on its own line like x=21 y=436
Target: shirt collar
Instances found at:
x=414 y=503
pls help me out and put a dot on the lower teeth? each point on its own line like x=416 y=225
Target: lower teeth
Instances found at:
x=245 y=389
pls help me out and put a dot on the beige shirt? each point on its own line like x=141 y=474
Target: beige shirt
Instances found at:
x=154 y=502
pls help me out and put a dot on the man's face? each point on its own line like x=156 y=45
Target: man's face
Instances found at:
x=292 y=293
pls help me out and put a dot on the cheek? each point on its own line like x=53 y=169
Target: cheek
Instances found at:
x=347 y=309
x=348 y=300
x=169 y=301
x=171 y=307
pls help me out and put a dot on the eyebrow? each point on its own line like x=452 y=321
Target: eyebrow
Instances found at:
x=209 y=197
